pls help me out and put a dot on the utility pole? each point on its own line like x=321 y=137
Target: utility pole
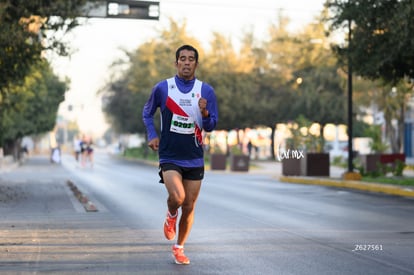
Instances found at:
x=350 y=107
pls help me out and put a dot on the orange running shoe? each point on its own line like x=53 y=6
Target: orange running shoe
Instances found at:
x=169 y=227
x=178 y=255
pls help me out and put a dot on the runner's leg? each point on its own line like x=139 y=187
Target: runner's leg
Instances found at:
x=192 y=189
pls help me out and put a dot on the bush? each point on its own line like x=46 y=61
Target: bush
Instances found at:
x=339 y=161
x=142 y=152
x=398 y=168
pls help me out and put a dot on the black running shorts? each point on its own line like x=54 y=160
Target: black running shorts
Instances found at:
x=188 y=173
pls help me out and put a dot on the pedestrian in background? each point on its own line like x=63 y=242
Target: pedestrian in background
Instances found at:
x=188 y=106
x=86 y=151
x=77 y=142
x=54 y=147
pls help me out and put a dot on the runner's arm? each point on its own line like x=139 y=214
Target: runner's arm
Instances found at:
x=210 y=122
x=148 y=112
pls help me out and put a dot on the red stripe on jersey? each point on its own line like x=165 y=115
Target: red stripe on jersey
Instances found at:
x=174 y=107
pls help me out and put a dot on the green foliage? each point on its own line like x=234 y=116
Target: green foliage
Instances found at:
x=381 y=171
x=141 y=152
x=339 y=161
x=399 y=167
x=236 y=150
x=376 y=145
x=249 y=91
x=320 y=92
x=216 y=149
x=396 y=169
x=28 y=29
x=30 y=96
x=360 y=128
x=32 y=106
x=405 y=181
x=382 y=40
x=379 y=47
x=302 y=138
x=121 y=109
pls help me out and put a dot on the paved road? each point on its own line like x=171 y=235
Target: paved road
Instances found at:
x=245 y=224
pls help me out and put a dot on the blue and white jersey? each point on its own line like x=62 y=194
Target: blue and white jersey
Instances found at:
x=181 y=120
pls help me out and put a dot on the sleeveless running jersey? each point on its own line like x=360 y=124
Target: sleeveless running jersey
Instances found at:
x=186 y=115
x=181 y=120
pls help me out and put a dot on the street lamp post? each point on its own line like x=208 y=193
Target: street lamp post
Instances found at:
x=350 y=112
x=350 y=174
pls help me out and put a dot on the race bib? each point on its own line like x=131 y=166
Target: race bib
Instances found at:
x=182 y=124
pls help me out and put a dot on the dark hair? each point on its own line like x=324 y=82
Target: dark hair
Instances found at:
x=188 y=48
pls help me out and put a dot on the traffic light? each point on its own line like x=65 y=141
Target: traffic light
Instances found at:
x=133 y=9
x=129 y=9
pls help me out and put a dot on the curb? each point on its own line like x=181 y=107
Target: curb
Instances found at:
x=364 y=186
x=87 y=204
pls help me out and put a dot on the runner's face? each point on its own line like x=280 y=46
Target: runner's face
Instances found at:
x=186 y=64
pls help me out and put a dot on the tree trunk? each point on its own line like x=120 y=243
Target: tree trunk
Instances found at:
x=321 y=138
x=13 y=148
x=400 y=140
x=272 y=143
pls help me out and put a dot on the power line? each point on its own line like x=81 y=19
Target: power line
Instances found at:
x=241 y=5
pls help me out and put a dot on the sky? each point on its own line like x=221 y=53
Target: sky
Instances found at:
x=99 y=41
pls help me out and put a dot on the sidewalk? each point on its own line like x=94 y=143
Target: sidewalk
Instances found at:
x=334 y=180
x=44 y=229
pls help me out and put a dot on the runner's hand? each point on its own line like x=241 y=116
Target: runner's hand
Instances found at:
x=202 y=104
x=154 y=144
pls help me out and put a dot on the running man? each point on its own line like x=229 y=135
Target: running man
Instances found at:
x=188 y=106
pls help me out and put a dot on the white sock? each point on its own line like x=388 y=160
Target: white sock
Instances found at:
x=172 y=216
x=178 y=246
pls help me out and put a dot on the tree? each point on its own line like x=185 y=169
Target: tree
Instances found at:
x=383 y=44
x=121 y=108
x=382 y=50
x=392 y=101
x=223 y=70
x=253 y=87
x=318 y=82
x=32 y=107
x=29 y=29
x=314 y=87
x=320 y=95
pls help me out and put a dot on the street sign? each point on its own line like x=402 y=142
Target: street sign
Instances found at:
x=128 y=9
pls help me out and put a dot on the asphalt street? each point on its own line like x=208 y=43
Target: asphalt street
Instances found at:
x=246 y=223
